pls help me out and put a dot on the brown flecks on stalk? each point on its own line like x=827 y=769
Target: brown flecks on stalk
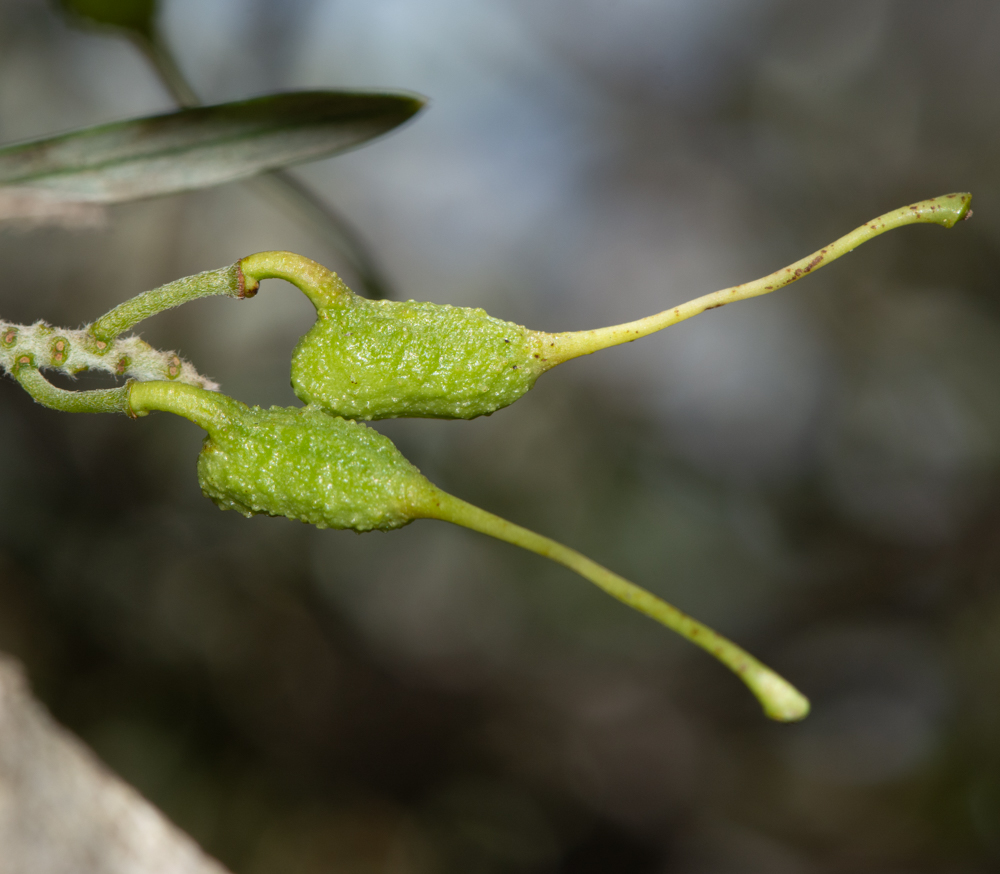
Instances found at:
x=174 y=367
x=101 y=345
x=714 y=306
x=817 y=260
x=677 y=311
x=10 y=337
x=122 y=365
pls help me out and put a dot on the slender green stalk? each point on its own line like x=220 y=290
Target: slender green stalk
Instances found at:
x=322 y=286
x=240 y=280
x=226 y=280
x=944 y=210
x=209 y=410
x=165 y=64
x=111 y=400
x=780 y=700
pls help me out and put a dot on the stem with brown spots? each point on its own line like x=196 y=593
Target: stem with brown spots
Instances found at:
x=944 y=210
x=72 y=351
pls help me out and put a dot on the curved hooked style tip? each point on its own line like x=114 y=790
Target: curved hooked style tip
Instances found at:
x=946 y=210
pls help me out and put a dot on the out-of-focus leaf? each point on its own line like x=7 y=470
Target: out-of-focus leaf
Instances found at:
x=138 y=16
x=197 y=148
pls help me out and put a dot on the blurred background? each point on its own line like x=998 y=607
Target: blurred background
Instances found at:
x=815 y=473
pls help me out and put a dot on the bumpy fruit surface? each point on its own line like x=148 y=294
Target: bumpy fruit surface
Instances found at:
x=309 y=466
x=366 y=359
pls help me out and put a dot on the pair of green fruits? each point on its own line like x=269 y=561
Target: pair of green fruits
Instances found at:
x=366 y=360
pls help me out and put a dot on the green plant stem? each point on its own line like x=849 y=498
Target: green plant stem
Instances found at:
x=322 y=286
x=211 y=411
x=944 y=210
x=240 y=280
x=780 y=700
x=158 y=53
x=226 y=280
x=111 y=400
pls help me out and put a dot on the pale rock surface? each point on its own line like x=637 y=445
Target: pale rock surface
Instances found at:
x=63 y=812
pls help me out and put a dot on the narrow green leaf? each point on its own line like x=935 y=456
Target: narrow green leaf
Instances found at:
x=196 y=148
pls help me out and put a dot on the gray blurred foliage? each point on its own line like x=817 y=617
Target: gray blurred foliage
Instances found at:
x=815 y=472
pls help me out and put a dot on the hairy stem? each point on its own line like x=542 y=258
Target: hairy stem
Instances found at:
x=72 y=351
x=780 y=700
x=944 y=210
x=226 y=280
x=240 y=280
x=111 y=400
